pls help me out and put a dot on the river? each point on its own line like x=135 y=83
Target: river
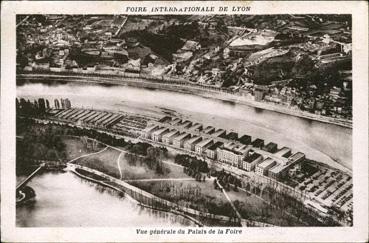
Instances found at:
x=65 y=200
x=320 y=141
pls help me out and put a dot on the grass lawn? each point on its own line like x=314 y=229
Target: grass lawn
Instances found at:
x=105 y=162
x=74 y=147
x=249 y=199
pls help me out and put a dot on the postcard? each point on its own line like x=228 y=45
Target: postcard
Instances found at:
x=184 y=121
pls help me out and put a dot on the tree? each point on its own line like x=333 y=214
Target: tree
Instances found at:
x=215 y=184
x=159 y=168
x=131 y=158
x=227 y=187
x=235 y=188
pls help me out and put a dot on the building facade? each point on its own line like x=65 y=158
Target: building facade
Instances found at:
x=190 y=143
x=201 y=147
x=249 y=162
x=263 y=167
x=232 y=153
x=168 y=137
x=211 y=151
x=179 y=141
x=147 y=132
x=157 y=135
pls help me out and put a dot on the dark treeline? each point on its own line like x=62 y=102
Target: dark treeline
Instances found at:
x=35 y=108
x=37 y=143
x=139 y=148
x=63 y=129
x=192 y=166
x=226 y=180
x=192 y=163
x=147 y=155
x=39 y=107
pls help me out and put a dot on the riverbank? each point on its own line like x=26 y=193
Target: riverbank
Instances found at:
x=182 y=87
x=154 y=202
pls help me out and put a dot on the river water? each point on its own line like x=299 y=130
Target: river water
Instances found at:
x=323 y=142
x=65 y=200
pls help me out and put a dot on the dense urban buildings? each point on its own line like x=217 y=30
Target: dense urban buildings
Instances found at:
x=300 y=62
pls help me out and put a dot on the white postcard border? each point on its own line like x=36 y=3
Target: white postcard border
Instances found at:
x=357 y=233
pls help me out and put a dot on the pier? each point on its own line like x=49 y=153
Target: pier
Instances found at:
x=23 y=183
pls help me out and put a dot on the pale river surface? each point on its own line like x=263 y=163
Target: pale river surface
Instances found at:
x=319 y=141
x=65 y=200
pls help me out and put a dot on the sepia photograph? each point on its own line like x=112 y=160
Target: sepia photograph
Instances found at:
x=184 y=121
x=237 y=120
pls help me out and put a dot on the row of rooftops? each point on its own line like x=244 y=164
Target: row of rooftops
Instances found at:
x=205 y=142
x=167 y=133
x=195 y=139
x=215 y=145
x=171 y=133
x=231 y=136
x=182 y=136
x=230 y=146
x=221 y=133
x=160 y=131
x=278 y=159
